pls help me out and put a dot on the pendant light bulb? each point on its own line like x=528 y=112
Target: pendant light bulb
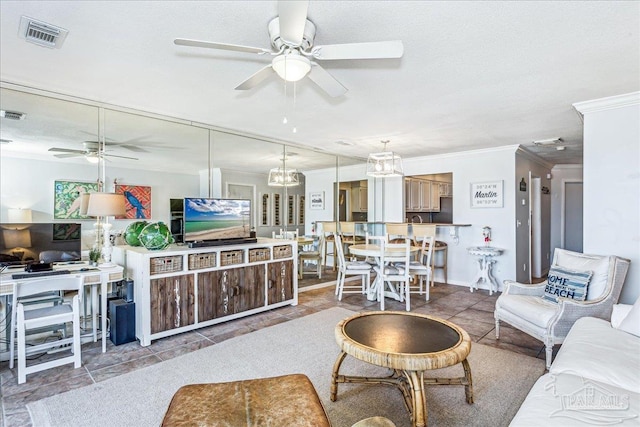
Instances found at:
x=284 y=120
x=295 y=129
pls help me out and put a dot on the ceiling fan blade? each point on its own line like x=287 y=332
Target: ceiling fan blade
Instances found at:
x=68 y=155
x=122 y=157
x=223 y=46
x=370 y=50
x=293 y=17
x=67 y=150
x=326 y=81
x=256 y=78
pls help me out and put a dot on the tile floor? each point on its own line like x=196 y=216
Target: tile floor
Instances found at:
x=471 y=311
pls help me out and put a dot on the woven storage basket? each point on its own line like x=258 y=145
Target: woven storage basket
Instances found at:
x=165 y=264
x=283 y=251
x=231 y=257
x=198 y=261
x=259 y=254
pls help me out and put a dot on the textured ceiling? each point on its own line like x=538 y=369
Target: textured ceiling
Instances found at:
x=473 y=75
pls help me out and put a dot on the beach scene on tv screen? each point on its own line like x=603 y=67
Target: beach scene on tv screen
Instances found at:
x=215 y=219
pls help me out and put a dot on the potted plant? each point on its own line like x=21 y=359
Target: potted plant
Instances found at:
x=94 y=255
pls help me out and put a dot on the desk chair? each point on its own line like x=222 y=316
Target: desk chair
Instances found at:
x=350 y=268
x=313 y=254
x=43 y=317
x=328 y=231
x=394 y=269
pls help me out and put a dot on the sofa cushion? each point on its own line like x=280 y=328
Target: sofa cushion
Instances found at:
x=554 y=401
x=595 y=350
x=566 y=283
x=618 y=313
x=631 y=322
x=598 y=265
x=536 y=310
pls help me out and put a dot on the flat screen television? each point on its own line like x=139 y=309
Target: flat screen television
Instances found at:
x=40 y=242
x=209 y=219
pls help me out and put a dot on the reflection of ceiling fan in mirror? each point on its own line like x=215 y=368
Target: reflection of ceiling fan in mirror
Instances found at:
x=292 y=36
x=91 y=152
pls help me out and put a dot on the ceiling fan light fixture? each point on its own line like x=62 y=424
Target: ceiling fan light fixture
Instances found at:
x=92 y=158
x=291 y=67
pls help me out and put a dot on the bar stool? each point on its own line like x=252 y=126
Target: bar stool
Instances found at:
x=327 y=231
x=397 y=231
x=420 y=230
x=348 y=235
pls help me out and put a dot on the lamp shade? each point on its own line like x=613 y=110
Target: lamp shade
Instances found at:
x=291 y=67
x=19 y=215
x=84 y=203
x=17 y=238
x=106 y=204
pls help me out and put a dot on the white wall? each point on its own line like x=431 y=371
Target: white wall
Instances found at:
x=612 y=182
x=467 y=167
x=29 y=184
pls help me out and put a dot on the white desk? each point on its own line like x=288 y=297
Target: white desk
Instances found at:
x=92 y=277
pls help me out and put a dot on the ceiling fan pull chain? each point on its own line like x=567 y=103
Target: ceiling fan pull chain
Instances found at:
x=295 y=129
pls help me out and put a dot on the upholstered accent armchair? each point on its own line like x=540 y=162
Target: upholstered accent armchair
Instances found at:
x=522 y=306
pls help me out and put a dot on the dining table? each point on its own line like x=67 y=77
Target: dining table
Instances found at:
x=373 y=251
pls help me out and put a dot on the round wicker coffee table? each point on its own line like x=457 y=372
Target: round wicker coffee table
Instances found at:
x=409 y=344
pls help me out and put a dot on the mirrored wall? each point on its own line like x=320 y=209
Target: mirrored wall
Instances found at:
x=46 y=138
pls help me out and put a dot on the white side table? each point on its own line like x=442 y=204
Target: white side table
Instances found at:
x=485 y=256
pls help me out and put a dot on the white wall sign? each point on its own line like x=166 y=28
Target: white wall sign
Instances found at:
x=487 y=194
x=316 y=200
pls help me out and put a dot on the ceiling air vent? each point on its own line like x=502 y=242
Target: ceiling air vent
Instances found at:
x=41 y=33
x=13 y=115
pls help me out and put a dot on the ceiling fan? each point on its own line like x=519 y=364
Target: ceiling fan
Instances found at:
x=91 y=152
x=295 y=56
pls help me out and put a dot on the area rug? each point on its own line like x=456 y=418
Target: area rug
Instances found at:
x=501 y=380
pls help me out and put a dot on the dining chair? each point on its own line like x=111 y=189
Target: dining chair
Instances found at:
x=420 y=270
x=40 y=317
x=393 y=269
x=328 y=230
x=350 y=268
x=312 y=254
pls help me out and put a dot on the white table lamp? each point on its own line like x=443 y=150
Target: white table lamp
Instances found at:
x=106 y=205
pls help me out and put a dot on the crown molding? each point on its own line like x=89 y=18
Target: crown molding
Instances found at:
x=522 y=151
x=608 y=103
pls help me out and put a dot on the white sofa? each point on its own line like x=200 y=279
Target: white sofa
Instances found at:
x=594 y=379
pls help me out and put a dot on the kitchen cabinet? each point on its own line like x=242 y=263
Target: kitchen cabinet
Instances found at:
x=359 y=198
x=435 y=196
x=446 y=189
x=421 y=195
x=181 y=289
